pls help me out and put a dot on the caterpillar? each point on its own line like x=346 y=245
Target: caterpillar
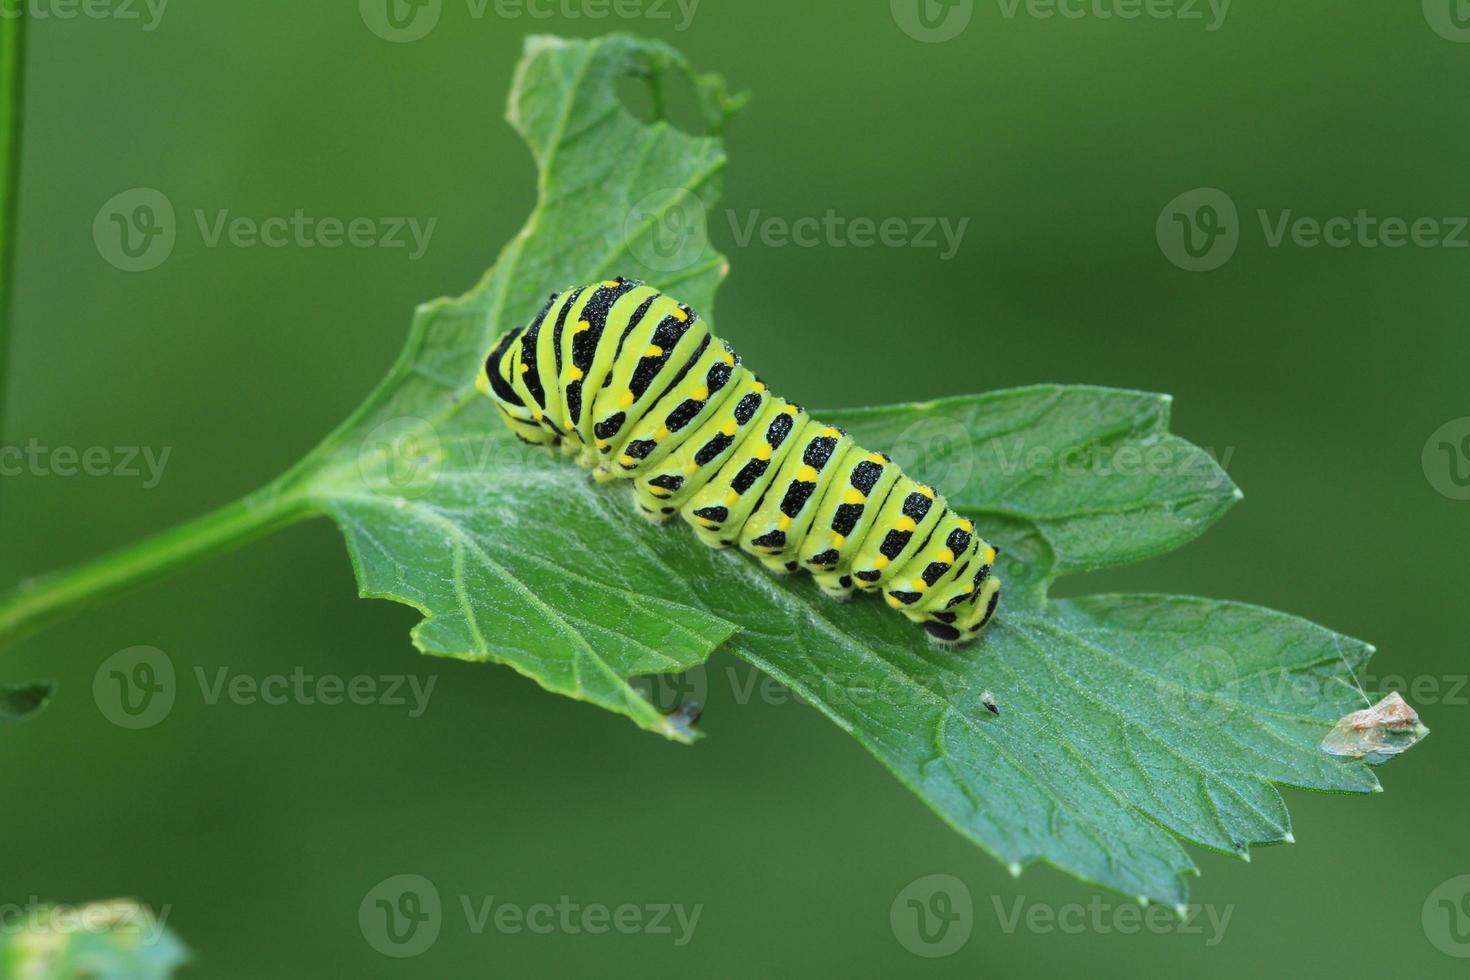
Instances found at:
x=635 y=386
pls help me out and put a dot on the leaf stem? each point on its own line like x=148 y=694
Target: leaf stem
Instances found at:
x=41 y=601
x=12 y=84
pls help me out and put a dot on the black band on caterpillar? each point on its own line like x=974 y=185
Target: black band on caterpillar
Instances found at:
x=634 y=386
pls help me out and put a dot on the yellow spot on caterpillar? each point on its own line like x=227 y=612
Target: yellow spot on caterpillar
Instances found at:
x=763 y=451
x=854 y=496
x=831 y=433
x=602 y=443
x=661 y=434
x=583 y=327
x=537 y=414
x=626 y=460
x=728 y=429
x=927 y=492
x=654 y=350
x=759 y=387
x=967 y=526
x=791 y=409
x=807 y=474
x=658 y=491
x=837 y=540
x=679 y=314
x=729 y=359
x=919 y=585
x=783 y=522
x=626 y=399
x=611 y=283
x=989 y=556
x=700 y=394
x=731 y=498
x=880 y=563
x=893 y=600
x=904 y=524
x=876 y=458
x=691 y=467
x=525 y=367
x=574 y=373
x=945 y=557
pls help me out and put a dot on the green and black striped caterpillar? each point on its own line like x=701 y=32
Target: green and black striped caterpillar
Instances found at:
x=636 y=387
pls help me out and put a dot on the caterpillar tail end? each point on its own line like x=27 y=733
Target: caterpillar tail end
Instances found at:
x=968 y=628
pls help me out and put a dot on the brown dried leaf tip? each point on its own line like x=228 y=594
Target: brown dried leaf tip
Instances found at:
x=1376 y=734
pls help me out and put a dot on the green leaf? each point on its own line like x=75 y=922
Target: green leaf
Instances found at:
x=1125 y=722
x=116 y=940
x=19 y=701
x=1093 y=470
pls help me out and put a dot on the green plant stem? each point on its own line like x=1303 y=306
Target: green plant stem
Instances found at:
x=12 y=79
x=41 y=601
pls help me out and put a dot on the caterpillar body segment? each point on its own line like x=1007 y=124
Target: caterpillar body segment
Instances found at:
x=635 y=386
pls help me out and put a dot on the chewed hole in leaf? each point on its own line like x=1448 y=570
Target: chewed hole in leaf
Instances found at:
x=1376 y=734
x=663 y=92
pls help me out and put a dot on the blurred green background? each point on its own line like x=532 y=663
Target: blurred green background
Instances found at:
x=1317 y=374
